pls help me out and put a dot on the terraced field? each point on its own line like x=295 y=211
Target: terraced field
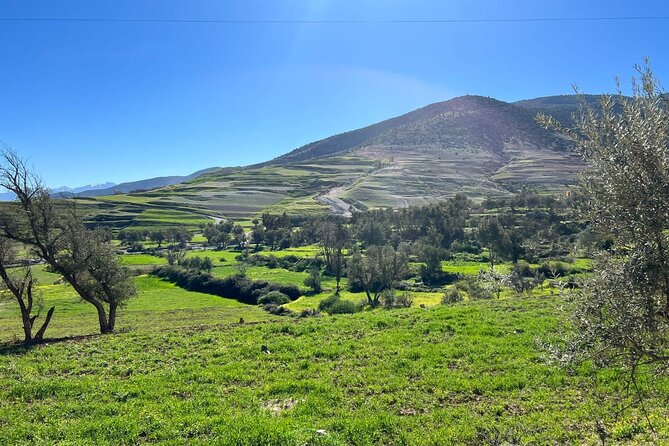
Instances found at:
x=472 y=145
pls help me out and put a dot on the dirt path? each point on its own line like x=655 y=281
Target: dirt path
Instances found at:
x=217 y=220
x=336 y=204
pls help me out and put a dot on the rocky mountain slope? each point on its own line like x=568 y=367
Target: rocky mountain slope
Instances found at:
x=476 y=145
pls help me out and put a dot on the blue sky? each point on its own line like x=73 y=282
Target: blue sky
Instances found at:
x=93 y=102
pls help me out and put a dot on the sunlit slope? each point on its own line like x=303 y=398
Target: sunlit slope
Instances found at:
x=475 y=145
x=243 y=192
x=478 y=146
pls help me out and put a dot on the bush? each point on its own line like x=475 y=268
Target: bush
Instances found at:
x=274 y=297
x=136 y=247
x=523 y=269
x=474 y=289
x=326 y=303
x=465 y=246
x=336 y=305
x=314 y=281
x=451 y=296
x=404 y=300
x=289 y=262
x=309 y=312
x=277 y=310
x=344 y=307
x=391 y=300
x=197 y=263
x=552 y=270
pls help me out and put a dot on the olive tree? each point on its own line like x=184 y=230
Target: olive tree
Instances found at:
x=621 y=316
x=379 y=270
x=54 y=232
x=333 y=238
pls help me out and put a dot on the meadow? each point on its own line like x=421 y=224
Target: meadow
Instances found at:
x=183 y=369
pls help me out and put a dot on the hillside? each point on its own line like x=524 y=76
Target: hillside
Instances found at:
x=476 y=145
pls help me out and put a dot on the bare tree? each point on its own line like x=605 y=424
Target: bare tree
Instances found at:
x=19 y=283
x=55 y=232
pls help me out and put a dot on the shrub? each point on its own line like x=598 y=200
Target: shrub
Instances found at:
x=474 y=289
x=277 y=310
x=523 y=269
x=336 y=305
x=136 y=247
x=404 y=300
x=274 y=297
x=451 y=296
x=467 y=247
x=197 y=263
x=344 y=307
x=388 y=298
x=314 y=280
x=326 y=303
x=309 y=312
x=552 y=270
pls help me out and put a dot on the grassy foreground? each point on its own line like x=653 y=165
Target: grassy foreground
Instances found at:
x=183 y=370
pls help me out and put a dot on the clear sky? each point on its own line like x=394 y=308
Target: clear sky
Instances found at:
x=91 y=102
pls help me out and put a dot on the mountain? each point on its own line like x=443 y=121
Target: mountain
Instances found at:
x=141 y=185
x=476 y=145
x=63 y=190
x=76 y=190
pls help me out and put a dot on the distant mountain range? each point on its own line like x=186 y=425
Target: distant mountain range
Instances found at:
x=77 y=190
x=143 y=185
x=98 y=190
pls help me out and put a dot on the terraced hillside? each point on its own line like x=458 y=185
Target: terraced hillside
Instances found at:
x=471 y=144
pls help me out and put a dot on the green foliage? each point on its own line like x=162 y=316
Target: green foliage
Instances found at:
x=342 y=306
x=474 y=288
x=197 y=263
x=377 y=271
x=622 y=315
x=325 y=304
x=274 y=297
x=234 y=287
x=451 y=296
x=390 y=299
x=314 y=280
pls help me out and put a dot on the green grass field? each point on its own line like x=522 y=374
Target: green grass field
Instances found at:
x=181 y=369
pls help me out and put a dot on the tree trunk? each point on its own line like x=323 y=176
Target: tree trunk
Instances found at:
x=40 y=334
x=112 y=317
x=27 y=325
x=665 y=273
x=102 y=317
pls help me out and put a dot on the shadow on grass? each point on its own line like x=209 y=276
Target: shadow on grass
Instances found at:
x=19 y=348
